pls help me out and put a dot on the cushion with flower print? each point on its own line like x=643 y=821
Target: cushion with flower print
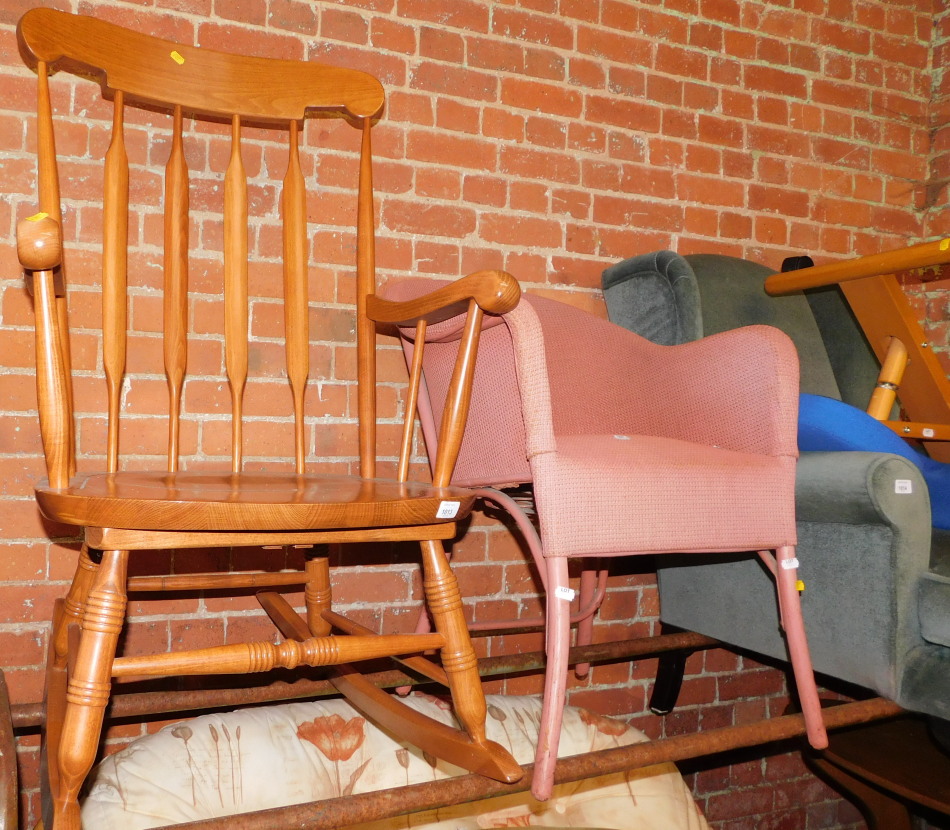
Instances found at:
x=260 y=758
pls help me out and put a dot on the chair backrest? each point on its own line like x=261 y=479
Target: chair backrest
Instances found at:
x=672 y=299
x=210 y=95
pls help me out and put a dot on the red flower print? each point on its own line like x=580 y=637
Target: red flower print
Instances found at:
x=606 y=726
x=336 y=738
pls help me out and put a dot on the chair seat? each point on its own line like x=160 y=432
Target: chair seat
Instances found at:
x=623 y=494
x=201 y=500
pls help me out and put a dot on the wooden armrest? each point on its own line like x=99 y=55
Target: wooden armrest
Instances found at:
x=38 y=243
x=495 y=292
x=889 y=262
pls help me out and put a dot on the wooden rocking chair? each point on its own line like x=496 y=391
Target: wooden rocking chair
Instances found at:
x=122 y=511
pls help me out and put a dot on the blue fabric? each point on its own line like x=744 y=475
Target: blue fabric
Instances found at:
x=826 y=424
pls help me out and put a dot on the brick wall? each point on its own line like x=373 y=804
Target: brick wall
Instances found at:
x=547 y=137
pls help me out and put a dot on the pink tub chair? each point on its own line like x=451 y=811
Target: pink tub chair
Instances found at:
x=631 y=448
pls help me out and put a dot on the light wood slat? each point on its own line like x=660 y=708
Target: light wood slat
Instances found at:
x=235 y=288
x=365 y=287
x=176 y=284
x=115 y=243
x=51 y=382
x=458 y=399
x=242 y=658
x=412 y=399
x=48 y=187
x=205 y=81
x=100 y=538
x=288 y=622
x=910 y=258
x=432 y=736
x=882 y=309
x=422 y=665
x=216 y=581
x=296 y=324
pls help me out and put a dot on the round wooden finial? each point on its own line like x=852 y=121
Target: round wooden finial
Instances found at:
x=38 y=244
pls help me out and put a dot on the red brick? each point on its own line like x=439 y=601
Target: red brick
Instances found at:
x=465 y=14
x=521 y=26
x=541 y=97
x=523 y=232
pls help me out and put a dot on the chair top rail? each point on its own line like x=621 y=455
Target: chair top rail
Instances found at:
x=202 y=81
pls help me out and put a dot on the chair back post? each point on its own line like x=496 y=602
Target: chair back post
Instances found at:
x=365 y=327
x=115 y=242
x=54 y=360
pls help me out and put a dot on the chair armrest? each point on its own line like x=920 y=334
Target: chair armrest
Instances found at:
x=869 y=488
x=737 y=390
x=495 y=292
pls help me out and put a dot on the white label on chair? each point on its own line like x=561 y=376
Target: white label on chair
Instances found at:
x=928 y=432
x=789 y=564
x=903 y=486
x=563 y=592
x=622 y=437
x=448 y=510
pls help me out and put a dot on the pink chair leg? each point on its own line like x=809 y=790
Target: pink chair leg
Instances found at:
x=790 y=608
x=557 y=646
x=585 y=626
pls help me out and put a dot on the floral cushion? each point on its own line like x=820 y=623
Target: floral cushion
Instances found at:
x=254 y=759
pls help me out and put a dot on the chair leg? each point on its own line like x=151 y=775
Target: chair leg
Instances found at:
x=557 y=648
x=67 y=613
x=585 y=626
x=317 y=595
x=458 y=655
x=790 y=609
x=89 y=685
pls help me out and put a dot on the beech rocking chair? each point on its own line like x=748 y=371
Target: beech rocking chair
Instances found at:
x=122 y=511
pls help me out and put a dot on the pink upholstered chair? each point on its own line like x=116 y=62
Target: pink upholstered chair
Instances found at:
x=632 y=448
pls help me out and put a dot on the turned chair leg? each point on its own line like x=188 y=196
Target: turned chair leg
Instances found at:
x=458 y=656
x=790 y=609
x=90 y=683
x=317 y=596
x=67 y=613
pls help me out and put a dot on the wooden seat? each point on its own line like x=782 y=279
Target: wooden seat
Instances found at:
x=203 y=499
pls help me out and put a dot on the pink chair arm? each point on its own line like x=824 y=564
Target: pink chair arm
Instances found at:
x=736 y=390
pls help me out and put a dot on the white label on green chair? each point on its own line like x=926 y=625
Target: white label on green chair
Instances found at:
x=903 y=486
x=563 y=592
x=448 y=510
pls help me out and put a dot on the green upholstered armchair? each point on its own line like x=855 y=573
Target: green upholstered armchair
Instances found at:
x=877 y=575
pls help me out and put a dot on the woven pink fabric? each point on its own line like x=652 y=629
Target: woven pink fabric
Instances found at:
x=492 y=451
x=633 y=447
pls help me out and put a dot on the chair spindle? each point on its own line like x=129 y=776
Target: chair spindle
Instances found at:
x=412 y=399
x=235 y=288
x=176 y=285
x=459 y=398
x=294 y=209
x=115 y=242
